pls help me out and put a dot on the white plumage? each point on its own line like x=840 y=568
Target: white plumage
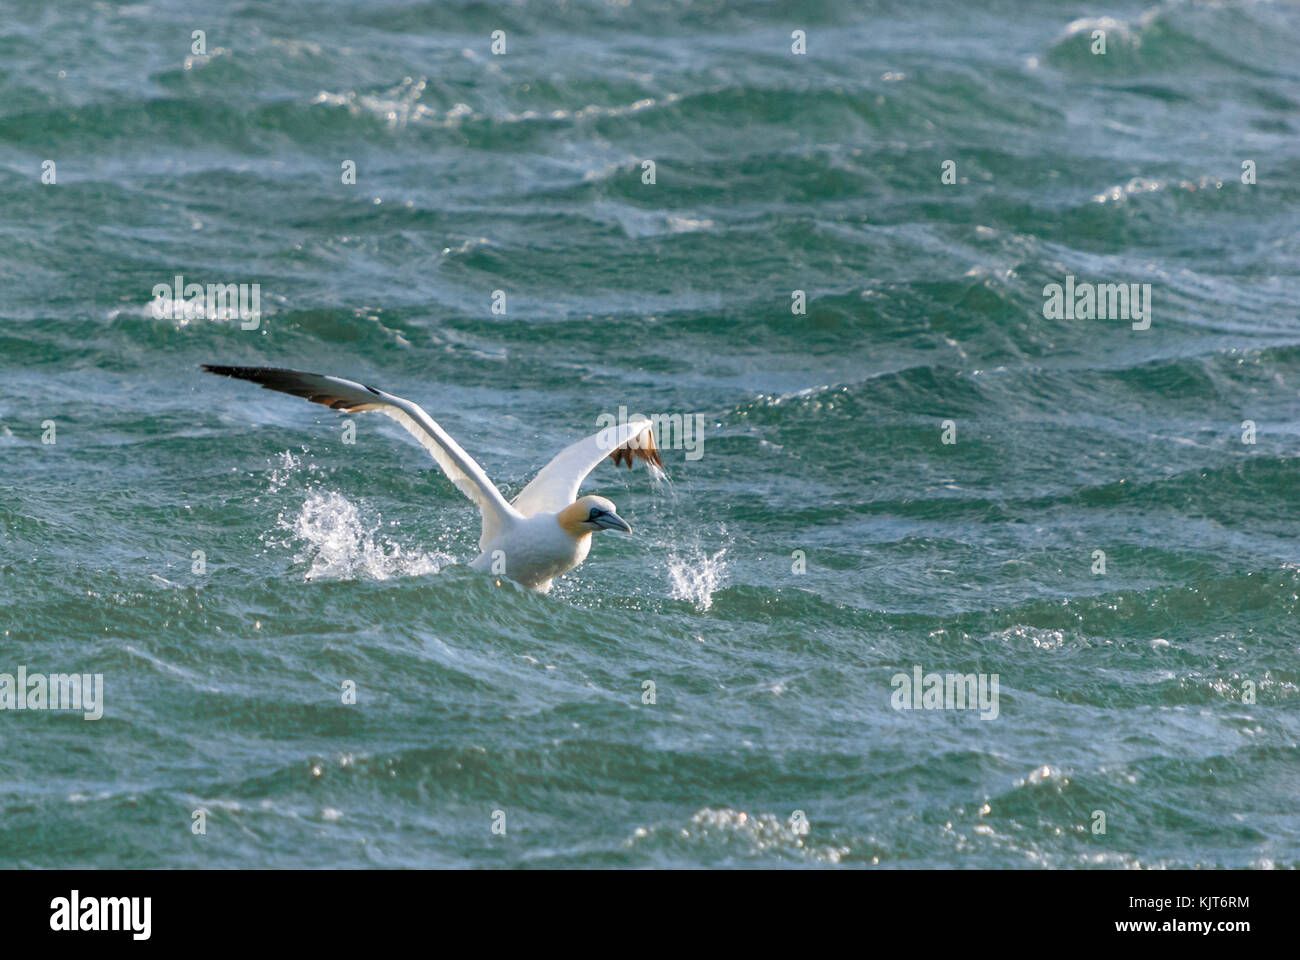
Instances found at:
x=546 y=530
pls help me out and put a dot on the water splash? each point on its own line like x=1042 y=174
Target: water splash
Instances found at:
x=660 y=482
x=340 y=543
x=283 y=471
x=697 y=578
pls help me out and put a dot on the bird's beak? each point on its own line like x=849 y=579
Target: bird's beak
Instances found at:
x=612 y=521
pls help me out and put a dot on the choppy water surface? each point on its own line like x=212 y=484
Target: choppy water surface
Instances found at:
x=1125 y=692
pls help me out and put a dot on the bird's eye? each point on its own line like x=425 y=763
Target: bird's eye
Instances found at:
x=595 y=512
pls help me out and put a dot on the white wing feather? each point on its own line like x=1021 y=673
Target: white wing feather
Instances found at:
x=352 y=397
x=556 y=484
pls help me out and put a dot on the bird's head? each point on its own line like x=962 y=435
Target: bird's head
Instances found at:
x=589 y=514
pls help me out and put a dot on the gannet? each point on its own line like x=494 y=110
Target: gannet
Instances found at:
x=543 y=532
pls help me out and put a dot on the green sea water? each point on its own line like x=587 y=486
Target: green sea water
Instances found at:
x=1101 y=534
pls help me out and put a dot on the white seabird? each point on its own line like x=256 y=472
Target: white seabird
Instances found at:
x=544 y=531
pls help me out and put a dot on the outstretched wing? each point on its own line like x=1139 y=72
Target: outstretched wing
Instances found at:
x=349 y=396
x=556 y=485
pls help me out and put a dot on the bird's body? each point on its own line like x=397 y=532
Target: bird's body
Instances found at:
x=543 y=532
x=533 y=551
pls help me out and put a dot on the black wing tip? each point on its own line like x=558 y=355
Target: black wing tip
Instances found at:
x=255 y=374
x=243 y=373
x=309 y=386
x=226 y=371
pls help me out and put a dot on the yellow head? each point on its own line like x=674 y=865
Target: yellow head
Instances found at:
x=589 y=514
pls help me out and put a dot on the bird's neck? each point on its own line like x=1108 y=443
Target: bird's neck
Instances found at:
x=570 y=520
